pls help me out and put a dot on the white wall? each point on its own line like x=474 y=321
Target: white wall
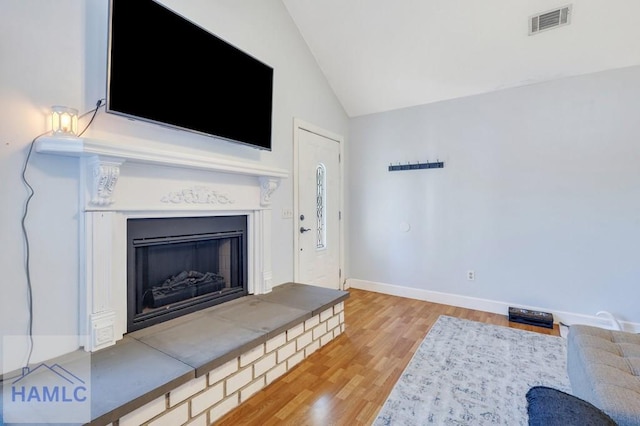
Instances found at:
x=540 y=195
x=55 y=53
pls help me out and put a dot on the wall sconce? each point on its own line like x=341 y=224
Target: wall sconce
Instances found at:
x=64 y=121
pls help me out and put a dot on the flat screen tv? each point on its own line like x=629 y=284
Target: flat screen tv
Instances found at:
x=165 y=69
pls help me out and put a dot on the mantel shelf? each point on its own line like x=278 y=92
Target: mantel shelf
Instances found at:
x=104 y=159
x=85 y=147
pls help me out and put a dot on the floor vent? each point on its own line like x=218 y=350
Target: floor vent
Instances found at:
x=550 y=19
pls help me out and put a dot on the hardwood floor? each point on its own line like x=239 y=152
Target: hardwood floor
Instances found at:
x=347 y=381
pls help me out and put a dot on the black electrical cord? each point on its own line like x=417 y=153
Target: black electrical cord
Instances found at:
x=25 y=235
x=27 y=247
x=95 y=112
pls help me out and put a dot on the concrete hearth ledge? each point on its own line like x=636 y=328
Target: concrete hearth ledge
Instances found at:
x=149 y=363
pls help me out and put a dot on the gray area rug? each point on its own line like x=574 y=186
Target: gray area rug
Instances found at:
x=471 y=373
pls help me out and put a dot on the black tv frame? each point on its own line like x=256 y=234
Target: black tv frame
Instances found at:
x=228 y=95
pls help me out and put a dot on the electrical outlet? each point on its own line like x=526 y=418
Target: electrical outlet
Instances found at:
x=471 y=275
x=287 y=213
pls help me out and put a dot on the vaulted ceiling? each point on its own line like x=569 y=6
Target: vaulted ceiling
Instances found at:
x=380 y=55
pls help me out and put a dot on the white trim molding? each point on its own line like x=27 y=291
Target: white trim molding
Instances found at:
x=84 y=147
x=106 y=157
x=486 y=305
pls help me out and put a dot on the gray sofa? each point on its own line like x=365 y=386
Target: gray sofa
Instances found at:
x=604 y=369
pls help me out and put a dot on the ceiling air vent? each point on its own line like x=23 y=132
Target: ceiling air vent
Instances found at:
x=551 y=19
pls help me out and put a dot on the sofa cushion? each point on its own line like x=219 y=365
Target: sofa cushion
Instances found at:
x=604 y=369
x=551 y=407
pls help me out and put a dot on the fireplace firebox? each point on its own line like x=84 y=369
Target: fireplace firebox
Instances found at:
x=180 y=265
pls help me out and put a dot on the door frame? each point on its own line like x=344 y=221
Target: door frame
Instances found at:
x=300 y=126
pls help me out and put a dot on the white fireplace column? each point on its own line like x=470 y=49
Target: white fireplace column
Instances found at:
x=102 y=264
x=103 y=221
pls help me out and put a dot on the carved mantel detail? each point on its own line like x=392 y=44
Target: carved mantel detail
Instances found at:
x=267 y=186
x=197 y=195
x=105 y=175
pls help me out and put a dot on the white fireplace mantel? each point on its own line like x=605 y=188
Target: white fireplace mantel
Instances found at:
x=106 y=157
x=84 y=147
x=103 y=229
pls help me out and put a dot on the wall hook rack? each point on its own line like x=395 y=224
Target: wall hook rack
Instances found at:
x=416 y=166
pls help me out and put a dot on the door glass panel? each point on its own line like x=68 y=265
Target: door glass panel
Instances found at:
x=321 y=195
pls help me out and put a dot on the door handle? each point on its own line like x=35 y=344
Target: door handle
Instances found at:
x=303 y=229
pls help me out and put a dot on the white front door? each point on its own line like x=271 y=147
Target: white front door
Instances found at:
x=317 y=214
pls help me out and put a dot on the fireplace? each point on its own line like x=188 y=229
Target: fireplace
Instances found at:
x=121 y=182
x=179 y=265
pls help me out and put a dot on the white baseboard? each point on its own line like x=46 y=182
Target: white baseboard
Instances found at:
x=485 y=305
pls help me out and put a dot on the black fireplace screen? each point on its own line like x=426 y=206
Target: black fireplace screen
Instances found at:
x=180 y=265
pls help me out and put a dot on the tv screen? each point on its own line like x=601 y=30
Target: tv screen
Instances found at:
x=165 y=69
